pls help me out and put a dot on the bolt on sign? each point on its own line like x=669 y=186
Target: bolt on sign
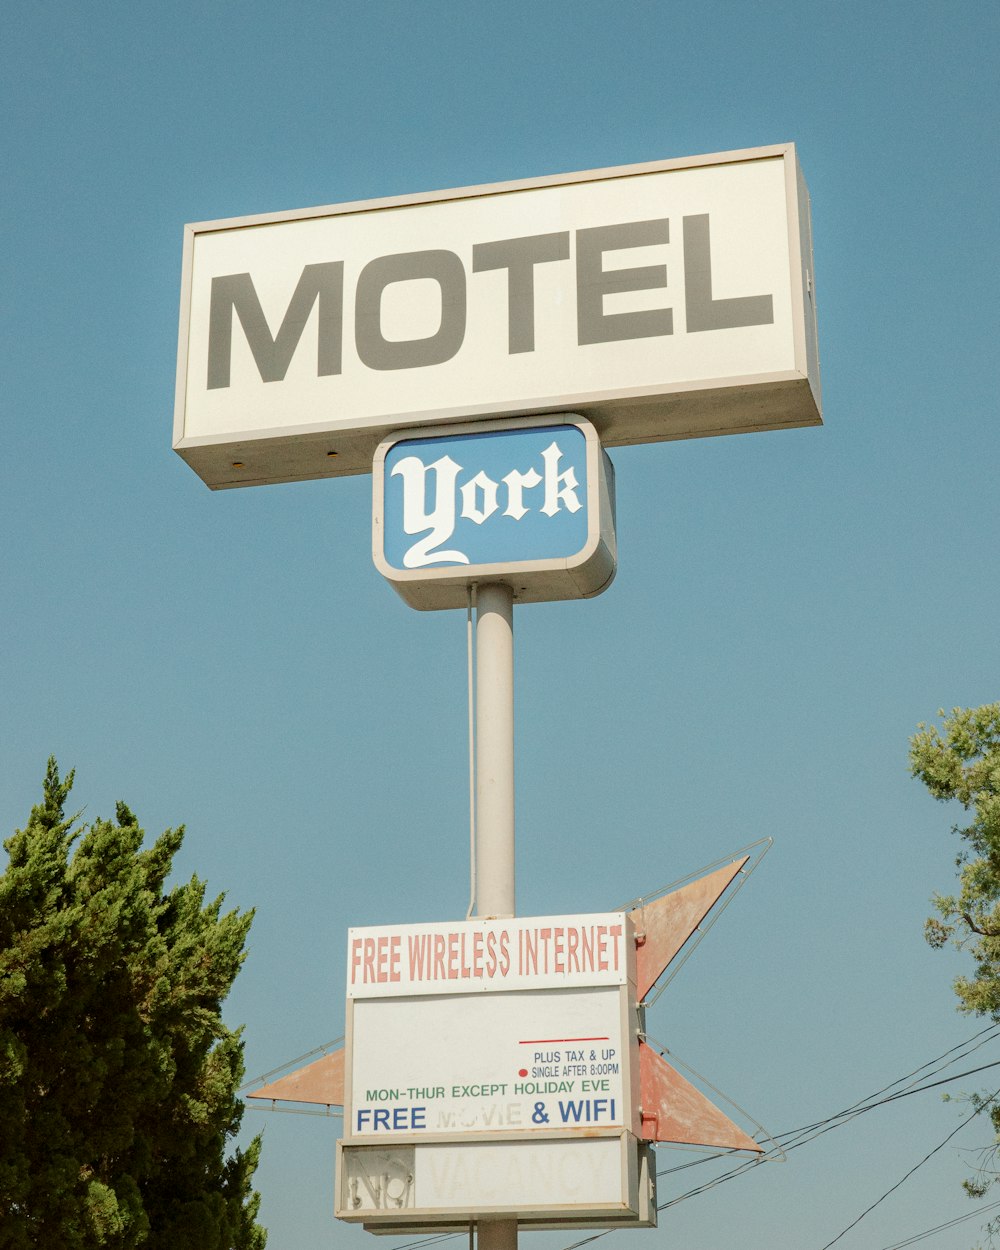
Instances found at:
x=492 y=1066
x=529 y=501
x=666 y=300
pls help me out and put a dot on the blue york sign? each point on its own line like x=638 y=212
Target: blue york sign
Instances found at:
x=528 y=502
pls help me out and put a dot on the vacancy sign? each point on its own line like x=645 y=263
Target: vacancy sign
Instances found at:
x=665 y=300
x=603 y=1181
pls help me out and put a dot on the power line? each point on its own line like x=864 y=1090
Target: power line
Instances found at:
x=892 y=1190
x=794 y=1138
x=801 y=1136
x=429 y=1241
x=940 y=1228
x=804 y=1135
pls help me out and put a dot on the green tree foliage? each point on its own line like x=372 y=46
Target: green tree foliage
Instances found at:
x=118 y=1077
x=962 y=761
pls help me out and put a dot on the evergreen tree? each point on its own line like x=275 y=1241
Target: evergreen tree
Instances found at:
x=118 y=1077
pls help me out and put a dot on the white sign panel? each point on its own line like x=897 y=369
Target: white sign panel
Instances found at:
x=666 y=300
x=515 y=1026
x=488 y=1063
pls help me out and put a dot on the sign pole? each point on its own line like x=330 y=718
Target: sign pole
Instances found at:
x=495 y=750
x=495 y=791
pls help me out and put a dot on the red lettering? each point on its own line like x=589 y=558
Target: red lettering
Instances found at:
x=504 y=952
x=544 y=935
x=572 y=952
x=439 y=973
x=369 y=960
x=529 y=961
x=355 y=958
x=419 y=945
x=602 y=948
x=588 y=949
x=616 y=931
x=382 y=947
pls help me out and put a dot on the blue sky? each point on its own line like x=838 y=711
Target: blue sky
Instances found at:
x=788 y=605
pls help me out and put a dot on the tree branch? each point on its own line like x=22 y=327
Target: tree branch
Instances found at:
x=976 y=929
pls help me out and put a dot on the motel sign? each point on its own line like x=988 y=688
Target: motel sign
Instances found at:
x=667 y=300
x=476 y=350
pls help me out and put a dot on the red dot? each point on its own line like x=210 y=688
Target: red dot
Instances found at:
x=523 y=1072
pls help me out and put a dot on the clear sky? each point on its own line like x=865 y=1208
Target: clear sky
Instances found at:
x=788 y=607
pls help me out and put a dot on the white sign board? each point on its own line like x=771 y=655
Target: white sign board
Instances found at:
x=488 y=1026
x=664 y=300
x=488 y=1063
x=491 y=1067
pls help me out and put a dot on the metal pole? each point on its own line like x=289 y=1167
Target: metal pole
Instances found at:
x=495 y=751
x=495 y=792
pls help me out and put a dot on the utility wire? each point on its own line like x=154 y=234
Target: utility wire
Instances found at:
x=930 y=1155
x=805 y=1135
x=966 y=1048
x=801 y=1136
x=429 y=1241
x=834 y=1121
x=587 y=1240
x=940 y=1228
x=796 y=1137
